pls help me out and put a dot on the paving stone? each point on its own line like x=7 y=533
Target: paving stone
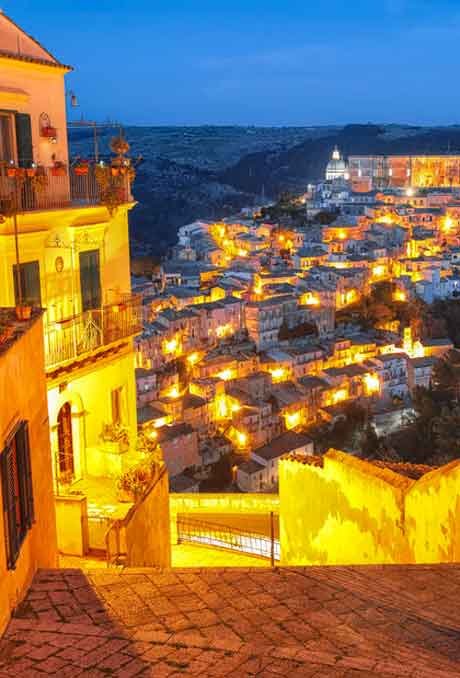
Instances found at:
x=350 y=622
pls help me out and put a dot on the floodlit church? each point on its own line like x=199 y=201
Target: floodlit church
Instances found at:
x=336 y=167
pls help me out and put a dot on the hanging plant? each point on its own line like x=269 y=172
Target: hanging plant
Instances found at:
x=119 y=145
x=111 y=189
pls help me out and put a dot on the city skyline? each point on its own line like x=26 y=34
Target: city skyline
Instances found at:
x=271 y=64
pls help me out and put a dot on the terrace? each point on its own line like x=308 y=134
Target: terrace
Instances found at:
x=47 y=188
x=74 y=337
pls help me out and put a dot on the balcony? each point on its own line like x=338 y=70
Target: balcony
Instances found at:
x=51 y=188
x=74 y=338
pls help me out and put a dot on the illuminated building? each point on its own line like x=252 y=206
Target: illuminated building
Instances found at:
x=28 y=519
x=404 y=171
x=73 y=252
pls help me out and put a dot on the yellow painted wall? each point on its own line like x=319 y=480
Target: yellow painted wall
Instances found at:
x=348 y=512
x=433 y=516
x=89 y=393
x=78 y=230
x=23 y=397
x=72 y=525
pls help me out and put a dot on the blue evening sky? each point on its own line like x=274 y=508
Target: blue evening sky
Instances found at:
x=266 y=62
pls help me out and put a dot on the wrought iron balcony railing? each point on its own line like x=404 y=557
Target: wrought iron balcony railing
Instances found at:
x=69 y=339
x=53 y=188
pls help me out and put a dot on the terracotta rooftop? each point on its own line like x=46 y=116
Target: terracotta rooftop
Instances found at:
x=310 y=459
x=412 y=471
x=328 y=622
x=5 y=54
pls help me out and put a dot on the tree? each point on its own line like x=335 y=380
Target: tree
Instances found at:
x=446 y=373
x=446 y=429
x=325 y=217
x=369 y=442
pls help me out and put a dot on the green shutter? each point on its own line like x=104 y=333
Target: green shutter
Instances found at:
x=30 y=283
x=90 y=280
x=24 y=139
x=10 y=500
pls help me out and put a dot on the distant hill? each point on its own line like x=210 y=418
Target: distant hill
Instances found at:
x=209 y=172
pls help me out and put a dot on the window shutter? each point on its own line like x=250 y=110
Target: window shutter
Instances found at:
x=10 y=501
x=90 y=280
x=30 y=283
x=25 y=475
x=24 y=139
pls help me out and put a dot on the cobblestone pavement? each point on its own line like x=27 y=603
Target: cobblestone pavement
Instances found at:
x=319 y=622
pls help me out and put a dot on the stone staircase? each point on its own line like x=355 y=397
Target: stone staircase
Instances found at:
x=335 y=621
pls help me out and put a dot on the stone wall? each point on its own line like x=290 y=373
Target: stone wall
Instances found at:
x=342 y=511
x=147 y=525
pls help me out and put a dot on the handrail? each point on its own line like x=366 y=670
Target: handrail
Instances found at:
x=55 y=188
x=67 y=339
x=121 y=524
x=253 y=543
x=116 y=528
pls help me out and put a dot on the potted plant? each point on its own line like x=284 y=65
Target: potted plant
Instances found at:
x=6 y=332
x=31 y=172
x=81 y=168
x=116 y=436
x=23 y=312
x=133 y=483
x=59 y=169
x=11 y=171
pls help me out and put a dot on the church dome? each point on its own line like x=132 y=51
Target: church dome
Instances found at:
x=336 y=167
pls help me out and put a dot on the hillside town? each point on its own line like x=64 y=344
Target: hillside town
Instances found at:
x=262 y=329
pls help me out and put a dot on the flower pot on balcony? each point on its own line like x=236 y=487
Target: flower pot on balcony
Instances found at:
x=20 y=172
x=23 y=312
x=11 y=171
x=58 y=171
x=48 y=132
x=31 y=172
x=81 y=170
x=115 y=171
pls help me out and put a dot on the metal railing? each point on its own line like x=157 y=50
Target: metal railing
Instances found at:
x=115 y=544
x=52 y=188
x=71 y=338
x=200 y=532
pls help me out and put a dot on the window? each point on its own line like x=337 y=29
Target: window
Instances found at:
x=24 y=139
x=6 y=138
x=29 y=275
x=18 y=501
x=90 y=280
